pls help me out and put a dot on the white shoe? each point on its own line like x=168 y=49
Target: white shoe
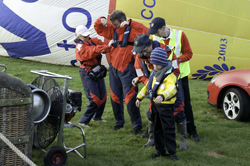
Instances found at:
x=84 y=124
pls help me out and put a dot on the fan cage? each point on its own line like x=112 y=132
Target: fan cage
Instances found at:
x=46 y=131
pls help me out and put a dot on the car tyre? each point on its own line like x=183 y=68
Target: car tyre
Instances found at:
x=236 y=104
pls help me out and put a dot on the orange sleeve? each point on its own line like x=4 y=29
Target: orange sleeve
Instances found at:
x=102 y=30
x=139 y=70
x=84 y=52
x=185 y=49
x=143 y=79
x=138 y=27
x=100 y=42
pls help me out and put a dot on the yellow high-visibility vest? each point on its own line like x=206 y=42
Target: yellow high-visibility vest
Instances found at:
x=176 y=41
x=147 y=63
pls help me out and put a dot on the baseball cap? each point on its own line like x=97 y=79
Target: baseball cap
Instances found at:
x=156 y=24
x=82 y=30
x=140 y=42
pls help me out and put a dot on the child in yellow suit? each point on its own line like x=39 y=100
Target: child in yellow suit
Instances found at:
x=161 y=89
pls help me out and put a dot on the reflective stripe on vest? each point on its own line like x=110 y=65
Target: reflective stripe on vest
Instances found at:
x=176 y=41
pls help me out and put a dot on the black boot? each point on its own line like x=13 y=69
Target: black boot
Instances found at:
x=195 y=137
x=173 y=157
x=158 y=154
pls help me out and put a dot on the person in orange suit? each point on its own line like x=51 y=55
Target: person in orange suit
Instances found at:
x=121 y=67
x=88 y=53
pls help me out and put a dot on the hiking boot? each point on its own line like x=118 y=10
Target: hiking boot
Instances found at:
x=137 y=131
x=84 y=124
x=195 y=137
x=158 y=154
x=173 y=157
x=117 y=127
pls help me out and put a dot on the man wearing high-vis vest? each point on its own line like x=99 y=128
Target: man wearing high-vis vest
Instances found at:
x=121 y=67
x=183 y=51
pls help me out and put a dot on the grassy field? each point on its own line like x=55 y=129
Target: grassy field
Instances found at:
x=223 y=142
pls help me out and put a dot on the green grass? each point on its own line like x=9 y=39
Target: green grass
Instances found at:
x=223 y=142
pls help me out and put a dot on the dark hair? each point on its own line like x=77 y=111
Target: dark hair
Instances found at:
x=117 y=15
x=149 y=43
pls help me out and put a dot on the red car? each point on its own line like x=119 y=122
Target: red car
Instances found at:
x=231 y=92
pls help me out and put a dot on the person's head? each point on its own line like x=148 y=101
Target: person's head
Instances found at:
x=159 y=58
x=117 y=17
x=143 y=45
x=157 y=27
x=82 y=33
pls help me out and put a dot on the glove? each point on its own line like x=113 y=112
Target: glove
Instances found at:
x=104 y=21
x=135 y=81
x=111 y=42
x=158 y=99
x=124 y=23
x=137 y=103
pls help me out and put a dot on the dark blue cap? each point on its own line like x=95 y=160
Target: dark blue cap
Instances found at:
x=140 y=42
x=156 y=24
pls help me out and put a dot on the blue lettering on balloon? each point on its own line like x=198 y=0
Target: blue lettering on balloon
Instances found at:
x=30 y=1
x=151 y=16
x=222 y=51
x=148 y=6
x=73 y=10
x=144 y=3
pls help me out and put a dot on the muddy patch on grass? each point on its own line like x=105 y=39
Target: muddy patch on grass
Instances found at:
x=215 y=154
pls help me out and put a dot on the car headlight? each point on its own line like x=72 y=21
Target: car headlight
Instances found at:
x=213 y=79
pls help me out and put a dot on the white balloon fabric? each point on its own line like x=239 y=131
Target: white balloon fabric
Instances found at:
x=44 y=30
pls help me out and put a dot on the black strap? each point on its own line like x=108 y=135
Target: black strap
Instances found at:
x=129 y=43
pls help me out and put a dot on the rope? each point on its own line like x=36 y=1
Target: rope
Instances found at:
x=17 y=151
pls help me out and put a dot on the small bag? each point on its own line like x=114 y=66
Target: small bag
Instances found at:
x=99 y=71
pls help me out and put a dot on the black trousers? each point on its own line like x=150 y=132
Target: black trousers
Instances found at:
x=191 y=128
x=164 y=128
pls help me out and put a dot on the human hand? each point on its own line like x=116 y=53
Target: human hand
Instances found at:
x=111 y=42
x=104 y=21
x=137 y=103
x=124 y=23
x=158 y=99
x=135 y=81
